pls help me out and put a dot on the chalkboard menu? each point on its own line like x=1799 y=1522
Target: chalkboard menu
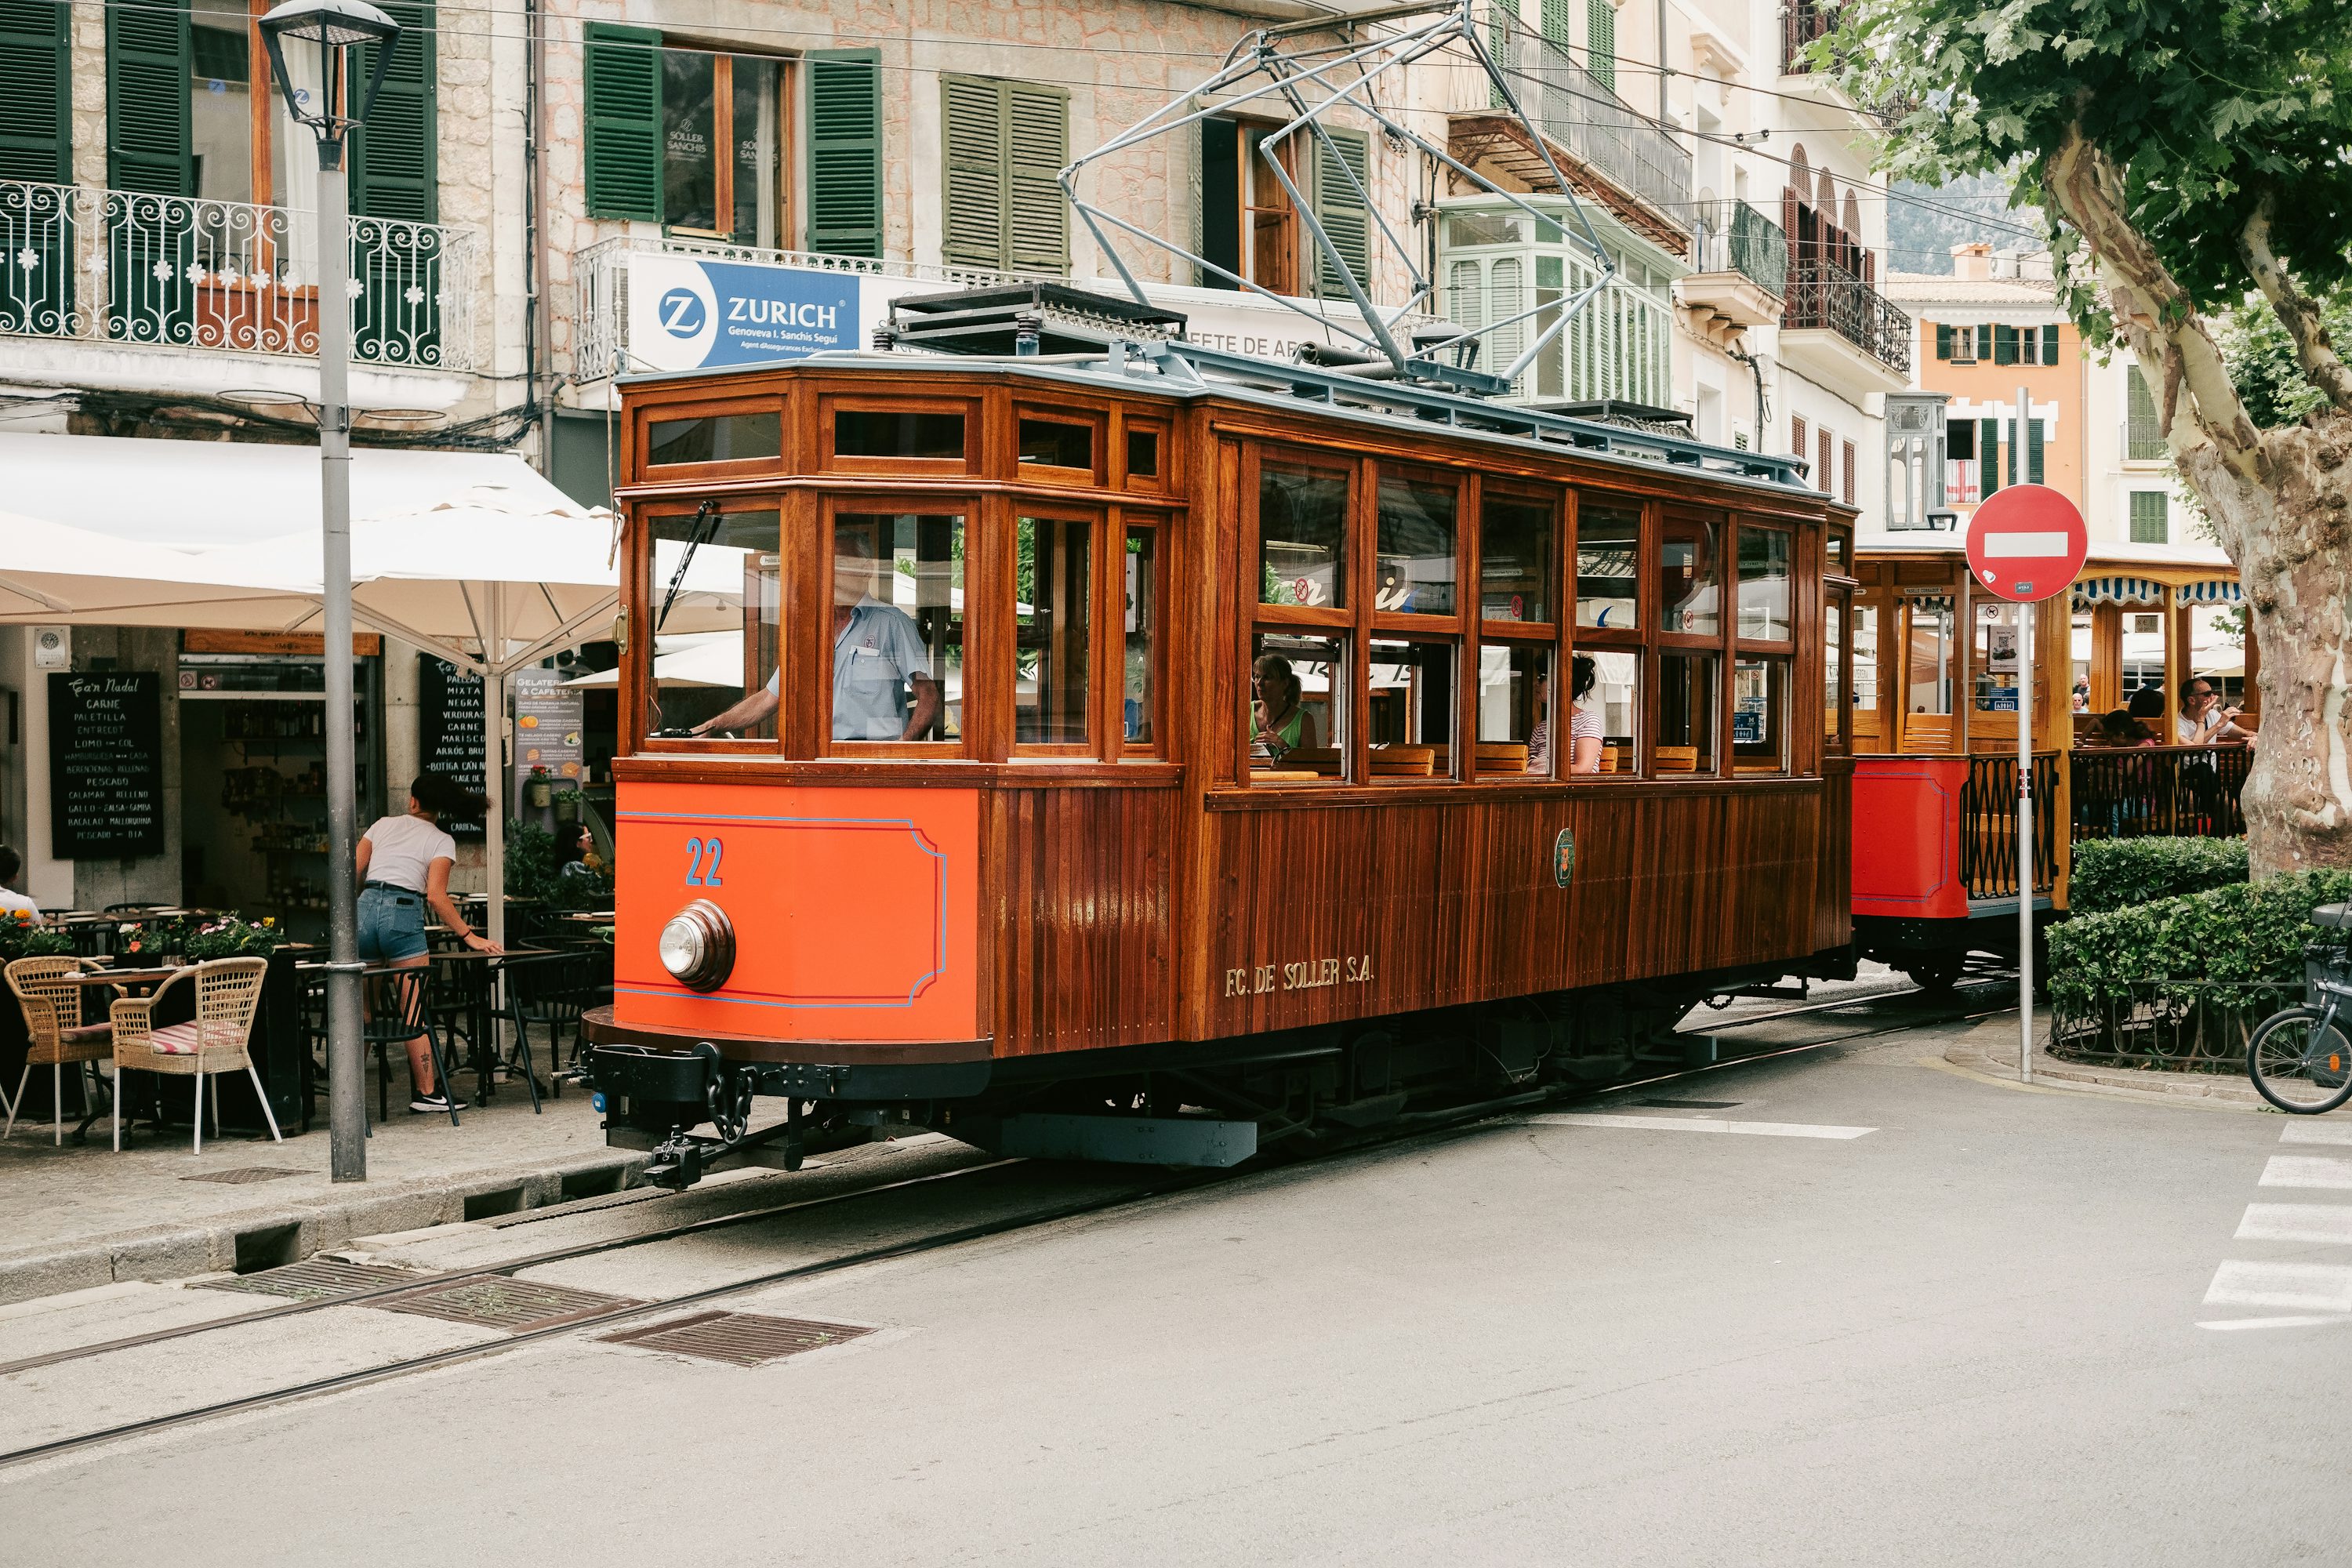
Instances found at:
x=450 y=735
x=106 y=764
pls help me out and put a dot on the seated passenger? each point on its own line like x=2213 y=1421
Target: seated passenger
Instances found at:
x=2203 y=721
x=1282 y=726
x=879 y=660
x=2117 y=727
x=2146 y=705
x=1587 y=730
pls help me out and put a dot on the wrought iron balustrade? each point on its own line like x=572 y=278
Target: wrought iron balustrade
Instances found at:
x=1732 y=236
x=1578 y=112
x=2136 y=792
x=127 y=267
x=1821 y=294
x=1801 y=23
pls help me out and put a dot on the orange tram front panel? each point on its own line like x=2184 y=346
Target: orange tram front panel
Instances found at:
x=853 y=910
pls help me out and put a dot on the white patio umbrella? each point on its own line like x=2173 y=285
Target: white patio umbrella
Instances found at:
x=696 y=658
x=55 y=574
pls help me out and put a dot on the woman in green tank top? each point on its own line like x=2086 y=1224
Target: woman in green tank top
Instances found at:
x=1281 y=724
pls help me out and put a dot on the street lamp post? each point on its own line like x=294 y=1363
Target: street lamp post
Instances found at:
x=333 y=28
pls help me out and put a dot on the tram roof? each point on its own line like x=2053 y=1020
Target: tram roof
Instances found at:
x=1183 y=372
x=2107 y=555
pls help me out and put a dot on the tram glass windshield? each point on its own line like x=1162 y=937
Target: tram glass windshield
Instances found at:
x=898 y=650
x=707 y=563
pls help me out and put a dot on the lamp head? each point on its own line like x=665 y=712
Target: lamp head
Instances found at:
x=331 y=28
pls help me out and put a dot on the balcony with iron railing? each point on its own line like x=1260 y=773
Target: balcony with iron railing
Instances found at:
x=1803 y=23
x=1847 y=329
x=1739 y=261
x=84 y=264
x=1644 y=172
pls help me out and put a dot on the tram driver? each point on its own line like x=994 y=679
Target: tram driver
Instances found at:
x=882 y=683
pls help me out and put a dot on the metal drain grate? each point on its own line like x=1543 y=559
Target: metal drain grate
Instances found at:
x=1691 y=1104
x=742 y=1339
x=494 y=1301
x=313 y=1280
x=246 y=1173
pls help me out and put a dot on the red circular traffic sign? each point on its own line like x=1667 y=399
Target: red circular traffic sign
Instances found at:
x=2027 y=543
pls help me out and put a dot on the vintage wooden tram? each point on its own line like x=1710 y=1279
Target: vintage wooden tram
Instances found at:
x=1935 y=706
x=1069 y=891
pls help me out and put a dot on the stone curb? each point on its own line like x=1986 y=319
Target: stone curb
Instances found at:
x=1990 y=1048
x=289 y=1231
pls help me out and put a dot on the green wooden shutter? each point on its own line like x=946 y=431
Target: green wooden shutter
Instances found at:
x=1037 y=143
x=2143 y=430
x=148 y=60
x=1340 y=208
x=394 y=157
x=2004 y=345
x=974 y=172
x=35 y=99
x=2033 y=451
x=2049 y=346
x=844 y=159
x=1600 y=42
x=1553 y=18
x=625 y=122
x=1943 y=340
x=1984 y=342
x=1988 y=456
x=2150 y=517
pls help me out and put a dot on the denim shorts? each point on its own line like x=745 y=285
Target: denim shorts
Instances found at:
x=392 y=924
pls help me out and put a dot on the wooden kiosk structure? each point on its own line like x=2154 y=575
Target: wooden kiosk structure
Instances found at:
x=1936 y=706
x=1157 y=725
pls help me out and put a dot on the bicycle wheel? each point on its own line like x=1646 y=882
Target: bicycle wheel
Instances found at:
x=2301 y=1061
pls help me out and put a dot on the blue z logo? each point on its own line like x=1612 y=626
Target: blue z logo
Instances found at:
x=709 y=873
x=681 y=312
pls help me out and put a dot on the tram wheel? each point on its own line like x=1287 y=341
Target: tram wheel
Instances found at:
x=1937 y=970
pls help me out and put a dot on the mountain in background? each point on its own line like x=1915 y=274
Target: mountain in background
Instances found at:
x=1920 y=238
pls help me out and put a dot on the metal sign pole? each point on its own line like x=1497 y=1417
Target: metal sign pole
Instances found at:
x=2024 y=802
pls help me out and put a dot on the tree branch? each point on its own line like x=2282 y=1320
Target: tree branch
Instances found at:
x=2296 y=310
x=2155 y=313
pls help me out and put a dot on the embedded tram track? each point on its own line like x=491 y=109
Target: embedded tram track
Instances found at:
x=1433 y=1122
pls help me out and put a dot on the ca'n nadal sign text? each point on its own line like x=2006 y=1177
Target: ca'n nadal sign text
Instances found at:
x=106 y=764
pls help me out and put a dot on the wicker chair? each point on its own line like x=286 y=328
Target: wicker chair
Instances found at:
x=217 y=1040
x=52 y=1001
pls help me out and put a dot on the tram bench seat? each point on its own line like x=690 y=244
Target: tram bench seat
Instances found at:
x=1677 y=759
x=1493 y=757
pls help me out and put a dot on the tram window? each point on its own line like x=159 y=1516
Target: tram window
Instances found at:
x=1759 y=715
x=1297 y=709
x=1416 y=545
x=1686 y=684
x=1608 y=543
x=1688 y=577
x=1051 y=581
x=2081 y=638
x=1615 y=697
x=1302 y=535
x=715 y=439
x=1142 y=629
x=1928 y=657
x=714 y=622
x=897 y=626
x=896 y=433
x=1834 y=552
x=1514 y=708
x=1411 y=709
x=1993 y=664
x=1144 y=454
x=1764 y=584
x=1056 y=444
x=1835 y=619
x=1515 y=556
x=1864 y=695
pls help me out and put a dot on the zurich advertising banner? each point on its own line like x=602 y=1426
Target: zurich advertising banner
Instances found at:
x=690 y=315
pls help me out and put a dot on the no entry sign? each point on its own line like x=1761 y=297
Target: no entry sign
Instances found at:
x=2027 y=543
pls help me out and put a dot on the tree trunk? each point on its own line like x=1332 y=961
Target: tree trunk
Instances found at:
x=2292 y=539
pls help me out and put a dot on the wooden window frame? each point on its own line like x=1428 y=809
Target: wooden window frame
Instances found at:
x=1122 y=425
x=1636 y=639
x=1548 y=635
x=1096 y=476
x=1418 y=634
x=1338 y=623
x=644 y=595
x=972 y=410
x=1741 y=524
x=1717 y=644
x=1112 y=601
x=987 y=582
x=1099 y=727
x=1405 y=622
x=724 y=468
x=722 y=173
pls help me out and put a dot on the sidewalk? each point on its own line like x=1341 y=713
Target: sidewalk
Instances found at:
x=73 y=1217
x=1990 y=1048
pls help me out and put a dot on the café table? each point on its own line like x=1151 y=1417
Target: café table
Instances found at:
x=471 y=993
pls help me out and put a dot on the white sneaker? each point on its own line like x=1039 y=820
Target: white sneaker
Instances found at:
x=428 y=1104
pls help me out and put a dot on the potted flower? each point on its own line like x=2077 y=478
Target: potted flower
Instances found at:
x=536 y=790
x=21 y=936
x=567 y=805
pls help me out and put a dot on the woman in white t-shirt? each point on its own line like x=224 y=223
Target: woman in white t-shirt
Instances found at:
x=405 y=865
x=1586 y=729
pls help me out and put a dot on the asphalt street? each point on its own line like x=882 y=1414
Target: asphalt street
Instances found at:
x=1853 y=1309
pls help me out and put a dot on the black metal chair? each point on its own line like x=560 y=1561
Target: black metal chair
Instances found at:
x=399 y=1009
x=553 y=990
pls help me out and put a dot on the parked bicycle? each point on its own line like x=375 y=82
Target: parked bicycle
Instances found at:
x=2301 y=1058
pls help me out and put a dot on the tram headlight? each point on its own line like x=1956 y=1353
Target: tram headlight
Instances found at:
x=697 y=945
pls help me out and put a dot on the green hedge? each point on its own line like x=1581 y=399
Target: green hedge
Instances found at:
x=2119 y=873
x=2246 y=939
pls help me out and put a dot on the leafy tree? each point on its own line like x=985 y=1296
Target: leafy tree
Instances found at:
x=2188 y=156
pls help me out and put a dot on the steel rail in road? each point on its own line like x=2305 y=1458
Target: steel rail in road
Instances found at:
x=1462 y=1118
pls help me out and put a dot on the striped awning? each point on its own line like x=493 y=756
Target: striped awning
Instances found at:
x=2116 y=591
x=2212 y=590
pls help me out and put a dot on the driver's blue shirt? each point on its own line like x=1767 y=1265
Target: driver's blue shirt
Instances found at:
x=874 y=657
